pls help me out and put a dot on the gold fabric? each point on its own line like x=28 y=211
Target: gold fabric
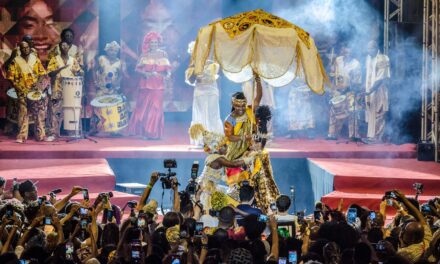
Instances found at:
x=74 y=51
x=263 y=182
x=24 y=74
x=242 y=127
x=72 y=70
x=270 y=45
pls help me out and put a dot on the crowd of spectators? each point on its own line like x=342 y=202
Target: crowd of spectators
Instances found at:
x=39 y=228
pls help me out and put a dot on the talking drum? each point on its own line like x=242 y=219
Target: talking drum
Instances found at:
x=339 y=106
x=72 y=94
x=12 y=107
x=112 y=112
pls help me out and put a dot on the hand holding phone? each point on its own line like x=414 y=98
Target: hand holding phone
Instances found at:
x=85 y=194
x=351 y=215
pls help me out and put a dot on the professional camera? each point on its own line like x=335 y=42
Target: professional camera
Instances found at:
x=166 y=178
x=192 y=186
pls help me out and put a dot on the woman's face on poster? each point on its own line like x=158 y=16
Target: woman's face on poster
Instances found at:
x=36 y=20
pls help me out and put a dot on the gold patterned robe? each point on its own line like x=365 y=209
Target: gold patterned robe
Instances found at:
x=24 y=74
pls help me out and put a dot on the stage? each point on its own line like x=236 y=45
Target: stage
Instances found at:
x=316 y=167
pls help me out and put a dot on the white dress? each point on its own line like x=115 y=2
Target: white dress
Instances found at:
x=206 y=109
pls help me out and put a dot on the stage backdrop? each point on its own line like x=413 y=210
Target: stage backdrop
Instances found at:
x=44 y=21
x=178 y=22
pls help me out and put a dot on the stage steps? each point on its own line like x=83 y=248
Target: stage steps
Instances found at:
x=93 y=174
x=364 y=181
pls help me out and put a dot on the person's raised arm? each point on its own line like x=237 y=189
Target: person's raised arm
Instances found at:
x=411 y=208
x=274 y=251
x=24 y=238
x=204 y=251
x=11 y=234
x=153 y=179
x=259 y=93
x=223 y=162
x=61 y=203
x=58 y=227
x=176 y=203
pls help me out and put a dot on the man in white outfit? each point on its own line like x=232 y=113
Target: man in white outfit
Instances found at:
x=376 y=81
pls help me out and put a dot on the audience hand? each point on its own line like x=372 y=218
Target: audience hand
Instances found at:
x=153 y=178
x=76 y=190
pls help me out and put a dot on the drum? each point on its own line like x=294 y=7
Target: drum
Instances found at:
x=339 y=106
x=72 y=94
x=112 y=112
x=12 y=107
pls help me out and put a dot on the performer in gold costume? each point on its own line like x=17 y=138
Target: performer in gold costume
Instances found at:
x=24 y=72
x=240 y=129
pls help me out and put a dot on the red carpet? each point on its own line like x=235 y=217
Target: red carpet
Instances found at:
x=365 y=181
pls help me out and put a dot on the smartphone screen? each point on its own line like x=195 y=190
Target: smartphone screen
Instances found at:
x=141 y=221
x=84 y=223
x=47 y=221
x=372 y=215
x=136 y=248
x=69 y=250
x=85 y=194
x=317 y=215
x=175 y=259
x=273 y=207
x=83 y=211
x=351 y=215
x=293 y=258
x=262 y=218
x=109 y=215
x=282 y=261
x=199 y=228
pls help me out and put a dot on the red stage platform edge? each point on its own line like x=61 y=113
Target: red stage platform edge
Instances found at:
x=364 y=181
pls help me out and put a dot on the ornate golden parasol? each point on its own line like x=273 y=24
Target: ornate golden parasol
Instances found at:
x=274 y=48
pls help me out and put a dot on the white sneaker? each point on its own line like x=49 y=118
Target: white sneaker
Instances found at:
x=49 y=139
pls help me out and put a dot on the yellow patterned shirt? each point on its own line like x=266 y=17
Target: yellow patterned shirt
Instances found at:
x=73 y=70
x=23 y=74
x=74 y=51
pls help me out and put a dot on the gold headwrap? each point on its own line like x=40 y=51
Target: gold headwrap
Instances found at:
x=173 y=234
x=239 y=101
